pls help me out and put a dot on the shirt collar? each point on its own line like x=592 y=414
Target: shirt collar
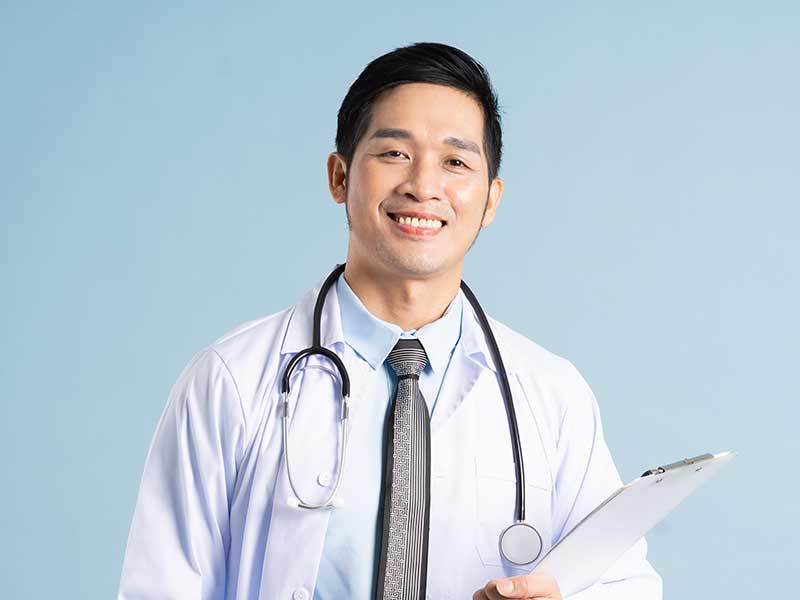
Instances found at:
x=374 y=338
x=299 y=320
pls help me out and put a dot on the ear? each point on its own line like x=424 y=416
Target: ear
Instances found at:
x=495 y=195
x=337 y=177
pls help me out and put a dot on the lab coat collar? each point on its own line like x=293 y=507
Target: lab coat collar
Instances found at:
x=301 y=323
x=474 y=343
x=299 y=331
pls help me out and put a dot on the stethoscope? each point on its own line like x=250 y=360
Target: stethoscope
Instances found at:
x=520 y=542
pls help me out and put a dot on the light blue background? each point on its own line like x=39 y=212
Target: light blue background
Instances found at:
x=163 y=179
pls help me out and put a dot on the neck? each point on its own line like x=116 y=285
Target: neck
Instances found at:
x=407 y=302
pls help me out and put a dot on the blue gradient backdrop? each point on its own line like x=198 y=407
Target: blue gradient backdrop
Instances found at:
x=163 y=179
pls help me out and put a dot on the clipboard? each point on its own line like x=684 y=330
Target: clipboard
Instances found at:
x=590 y=548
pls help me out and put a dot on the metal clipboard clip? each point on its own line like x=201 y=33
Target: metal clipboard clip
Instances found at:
x=675 y=465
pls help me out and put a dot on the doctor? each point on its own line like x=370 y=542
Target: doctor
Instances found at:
x=418 y=152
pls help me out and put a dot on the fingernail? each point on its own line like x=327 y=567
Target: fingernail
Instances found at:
x=505 y=587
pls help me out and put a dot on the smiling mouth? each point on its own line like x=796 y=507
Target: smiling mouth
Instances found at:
x=417 y=222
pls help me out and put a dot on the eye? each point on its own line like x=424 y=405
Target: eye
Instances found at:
x=394 y=152
x=458 y=160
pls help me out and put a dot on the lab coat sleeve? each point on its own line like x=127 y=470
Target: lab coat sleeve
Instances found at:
x=179 y=535
x=586 y=475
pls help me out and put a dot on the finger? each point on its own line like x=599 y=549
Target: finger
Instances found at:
x=527 y=586
x=513 y=587
x=490 y=590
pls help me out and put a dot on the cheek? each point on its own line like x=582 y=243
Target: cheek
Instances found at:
x=374 y=175
x=370 y=189
x=468 y=204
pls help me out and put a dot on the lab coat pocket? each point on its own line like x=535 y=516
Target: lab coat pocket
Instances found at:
x=496 y=501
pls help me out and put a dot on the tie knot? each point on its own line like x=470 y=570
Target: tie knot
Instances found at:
x=408 y=358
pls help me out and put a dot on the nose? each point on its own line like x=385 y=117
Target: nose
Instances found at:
x=424 y=181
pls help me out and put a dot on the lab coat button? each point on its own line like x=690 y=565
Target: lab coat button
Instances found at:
x=300 y=594
x=324 y=479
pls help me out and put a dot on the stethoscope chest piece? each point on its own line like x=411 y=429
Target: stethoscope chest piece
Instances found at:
x=520 y=543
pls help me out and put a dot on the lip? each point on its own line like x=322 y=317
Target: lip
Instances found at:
x=410 y=230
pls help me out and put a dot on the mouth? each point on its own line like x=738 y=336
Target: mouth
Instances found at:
x=418 y=223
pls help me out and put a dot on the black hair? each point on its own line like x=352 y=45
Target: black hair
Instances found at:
x=422 y=62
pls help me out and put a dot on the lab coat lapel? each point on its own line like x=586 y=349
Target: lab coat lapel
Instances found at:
x=471 y=362
x=314 y=438
x=458 y=381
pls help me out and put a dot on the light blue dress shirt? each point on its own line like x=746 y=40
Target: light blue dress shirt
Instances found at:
x=349 y=560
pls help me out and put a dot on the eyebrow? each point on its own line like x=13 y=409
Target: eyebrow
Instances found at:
x=404 y=134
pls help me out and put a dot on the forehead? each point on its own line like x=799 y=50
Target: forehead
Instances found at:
x=428 y=109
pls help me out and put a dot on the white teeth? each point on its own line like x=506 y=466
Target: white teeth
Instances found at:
x=416 y=222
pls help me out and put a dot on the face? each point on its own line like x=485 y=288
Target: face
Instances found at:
x=417 y=191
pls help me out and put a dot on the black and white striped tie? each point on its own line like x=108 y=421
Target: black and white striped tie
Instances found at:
x=403 y=567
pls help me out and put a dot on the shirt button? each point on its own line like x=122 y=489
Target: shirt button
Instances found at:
x=324 y=479
x=300 y=594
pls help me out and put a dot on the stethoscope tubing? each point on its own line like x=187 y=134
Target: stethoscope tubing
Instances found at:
x=505 y=390
x=329 y=501
x=317 y=348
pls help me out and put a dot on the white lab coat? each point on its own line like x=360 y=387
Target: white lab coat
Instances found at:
x=212 y=521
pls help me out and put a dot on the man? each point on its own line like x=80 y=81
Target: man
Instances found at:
x=418 y=152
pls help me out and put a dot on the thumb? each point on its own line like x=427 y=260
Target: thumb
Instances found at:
x=505 y=586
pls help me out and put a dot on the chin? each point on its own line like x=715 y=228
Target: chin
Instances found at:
x=420 y=265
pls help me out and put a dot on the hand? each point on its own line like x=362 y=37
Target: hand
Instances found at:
x=531 y=587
